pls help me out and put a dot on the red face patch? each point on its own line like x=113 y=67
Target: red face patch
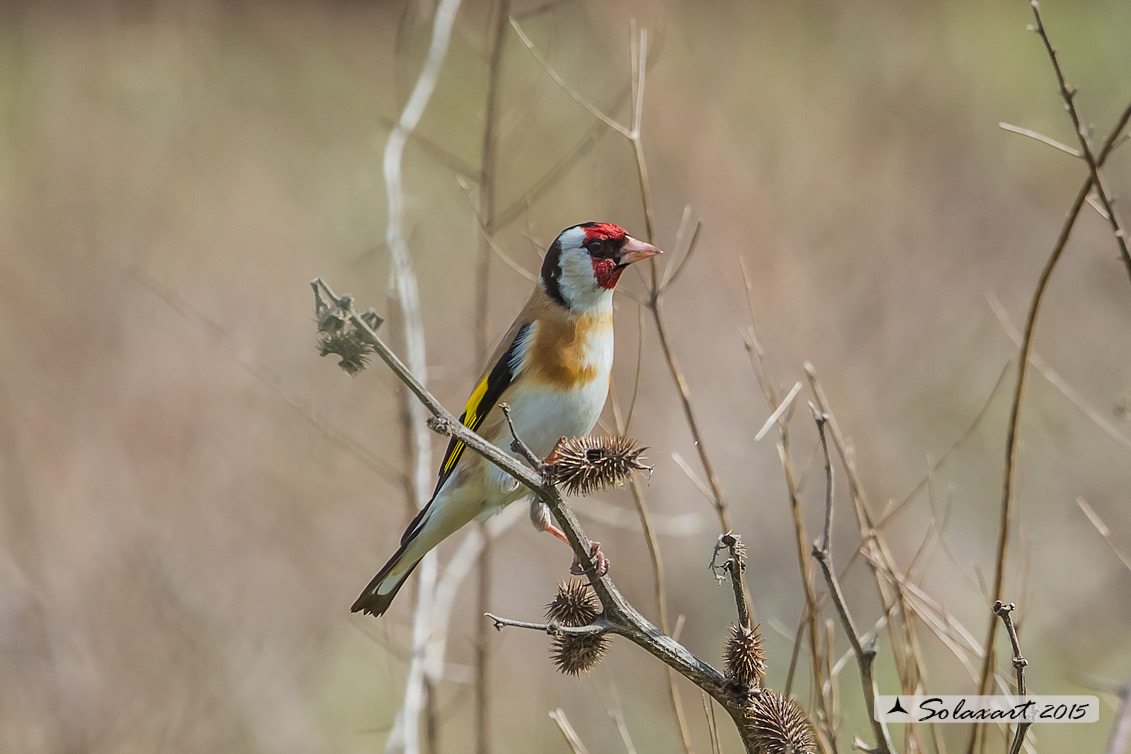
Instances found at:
x=604 y=231
x=606 y=272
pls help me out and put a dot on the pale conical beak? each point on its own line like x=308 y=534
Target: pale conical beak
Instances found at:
x=634 y=250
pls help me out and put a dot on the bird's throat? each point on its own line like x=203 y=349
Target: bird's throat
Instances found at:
x=607 y=272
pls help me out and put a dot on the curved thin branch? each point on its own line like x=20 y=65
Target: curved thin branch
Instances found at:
x=865 y=656
x=598 y=627
x=1018 y=395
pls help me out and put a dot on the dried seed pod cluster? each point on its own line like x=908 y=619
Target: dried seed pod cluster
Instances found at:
x=584 y=465
x=745 y=655
x=339 y=336
x=780 y=726
x=574 y=605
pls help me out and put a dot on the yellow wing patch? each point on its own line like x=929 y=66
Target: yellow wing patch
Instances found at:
x=470 y=418
x=486 y=394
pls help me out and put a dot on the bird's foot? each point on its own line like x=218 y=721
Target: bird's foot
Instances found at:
x=601 y=562
x=551 y=459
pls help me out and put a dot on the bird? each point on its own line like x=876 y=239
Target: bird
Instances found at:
x=552 y=369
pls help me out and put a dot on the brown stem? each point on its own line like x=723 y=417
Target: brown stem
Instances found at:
x=865 y=656
x=1003 y=611
x=1069 y=97
x=1018 y=394
x=801 y=538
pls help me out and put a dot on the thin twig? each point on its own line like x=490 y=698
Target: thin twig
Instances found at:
x=809 y=617
x=1055 y=379
x=1039 y=137
x=893 y=510
x=1003 y=611
x=570 y=735
x=865 y=656
x=564 y=86
x=517 y=445
x=437 y=152
x=675 y=268
x=1104 y=532
x=712 y=729
x=877 y=553
x=1018 y=393
x=772 y=421
x=735 y=567
x=1069 y=96
x=597 y=627
x=249 y=361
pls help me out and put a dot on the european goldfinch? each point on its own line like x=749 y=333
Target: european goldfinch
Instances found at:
x=552 y=368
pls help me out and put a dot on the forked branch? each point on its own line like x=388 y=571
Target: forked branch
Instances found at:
x=865 y=656
x=618 y=615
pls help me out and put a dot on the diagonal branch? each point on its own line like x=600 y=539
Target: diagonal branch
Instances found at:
x=1018 y=395
x=865 y=656
x=1069 y=96
x=618 y=612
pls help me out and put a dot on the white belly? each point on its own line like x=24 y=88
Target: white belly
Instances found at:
x=543 y=414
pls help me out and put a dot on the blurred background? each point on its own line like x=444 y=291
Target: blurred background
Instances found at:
x=190 y=498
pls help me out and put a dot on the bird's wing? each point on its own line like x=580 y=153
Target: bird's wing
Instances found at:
x=506 y=365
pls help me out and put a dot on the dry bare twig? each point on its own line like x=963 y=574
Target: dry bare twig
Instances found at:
x=1068 y=94
x=808 y=619
x=865 y=656
x=1095 y=162
x=1004 y=611
x=1018 y=394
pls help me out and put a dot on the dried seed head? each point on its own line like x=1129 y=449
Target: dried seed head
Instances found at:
x=340 y=335
x=585 y=465
x=745 y=655
x=779 y=725
x=573 y=605
x=578 y=653
x=352 y=350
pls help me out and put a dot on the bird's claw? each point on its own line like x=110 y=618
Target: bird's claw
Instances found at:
x=602 y=562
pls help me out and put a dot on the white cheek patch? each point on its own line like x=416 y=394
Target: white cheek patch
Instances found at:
x=578 y=283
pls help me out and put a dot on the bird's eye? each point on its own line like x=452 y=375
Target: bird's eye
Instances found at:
x=595 y=246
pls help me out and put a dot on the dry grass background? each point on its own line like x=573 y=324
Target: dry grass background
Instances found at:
x=181 y=542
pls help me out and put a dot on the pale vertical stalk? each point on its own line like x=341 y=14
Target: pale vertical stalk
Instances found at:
x=482 y=344
x=658 y=582
x=405 y=736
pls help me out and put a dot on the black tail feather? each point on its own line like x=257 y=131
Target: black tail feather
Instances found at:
x=376 y=604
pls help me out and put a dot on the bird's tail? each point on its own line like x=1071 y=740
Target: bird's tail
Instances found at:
x=377 y=597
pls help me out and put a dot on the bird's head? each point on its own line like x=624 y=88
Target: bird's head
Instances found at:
x=584 y=263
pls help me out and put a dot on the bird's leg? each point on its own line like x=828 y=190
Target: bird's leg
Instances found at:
x=540 y=517
x=601 y=562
